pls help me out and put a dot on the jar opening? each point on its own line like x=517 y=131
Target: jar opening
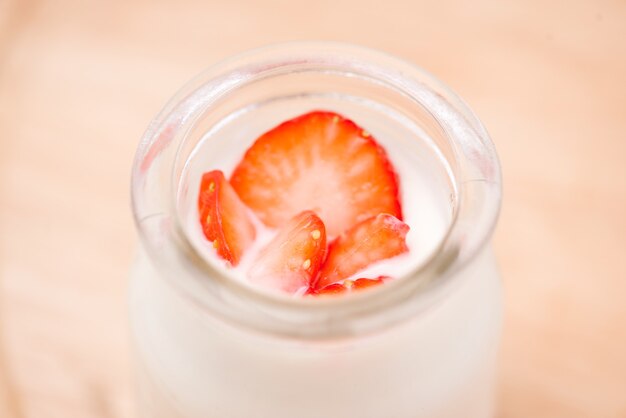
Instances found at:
x=262 y=87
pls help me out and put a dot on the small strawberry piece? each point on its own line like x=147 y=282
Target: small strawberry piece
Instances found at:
x=322 y=162
x=333 y=289
x=349 y=285
x=365 y=283
x=294 y=257
x=374 y=239
x=224 y=218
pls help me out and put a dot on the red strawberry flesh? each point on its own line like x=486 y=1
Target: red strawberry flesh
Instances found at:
x=349 y=285
x=224 y=218
x=293 y=258
x=372 y=240
x=332 y=289
x=322 y=162
x=366 y=283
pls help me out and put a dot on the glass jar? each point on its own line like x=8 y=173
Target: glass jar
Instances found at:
x=423 y=345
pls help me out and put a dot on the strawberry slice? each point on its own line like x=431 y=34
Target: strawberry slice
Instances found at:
x=374 y=239
x=359 y=284
x=349 y=285
x=294 y=257
x=331 y=289
x=224 y=218
x=322 y=162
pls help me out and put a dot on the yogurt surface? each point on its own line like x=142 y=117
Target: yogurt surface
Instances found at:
x=423 y=207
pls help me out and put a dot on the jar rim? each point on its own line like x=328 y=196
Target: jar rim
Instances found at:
x=478 y=186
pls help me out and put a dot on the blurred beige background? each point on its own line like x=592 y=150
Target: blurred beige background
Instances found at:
x=80 y=81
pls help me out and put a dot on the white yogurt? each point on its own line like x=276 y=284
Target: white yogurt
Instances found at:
x=439 y=365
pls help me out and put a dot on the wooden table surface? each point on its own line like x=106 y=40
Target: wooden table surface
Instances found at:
x=80 y=81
